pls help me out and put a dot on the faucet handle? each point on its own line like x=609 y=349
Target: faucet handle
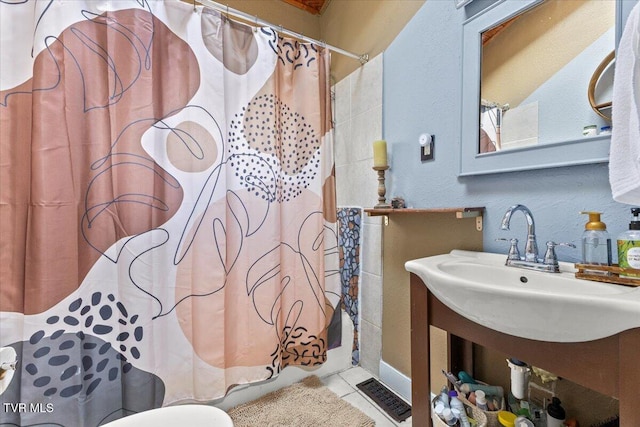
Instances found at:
x=550 y=257
x=514 y=253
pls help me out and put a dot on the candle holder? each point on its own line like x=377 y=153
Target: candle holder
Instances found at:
x=382 y=190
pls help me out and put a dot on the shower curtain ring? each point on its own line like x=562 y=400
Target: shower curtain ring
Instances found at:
x=194 y=5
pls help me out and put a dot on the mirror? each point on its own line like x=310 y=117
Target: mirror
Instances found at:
x=518 y=112
x=535 y=73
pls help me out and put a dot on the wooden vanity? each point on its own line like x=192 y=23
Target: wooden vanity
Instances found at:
x=610 y=366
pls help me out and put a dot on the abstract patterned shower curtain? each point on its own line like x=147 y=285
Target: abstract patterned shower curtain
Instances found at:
x=167 y=208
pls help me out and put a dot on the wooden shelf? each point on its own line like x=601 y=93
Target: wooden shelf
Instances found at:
x=474 y=212
x=467 y=212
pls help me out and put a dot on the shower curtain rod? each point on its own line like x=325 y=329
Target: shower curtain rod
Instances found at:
x=364 y=58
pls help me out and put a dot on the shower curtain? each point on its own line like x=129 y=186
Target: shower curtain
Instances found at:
x=167 y=207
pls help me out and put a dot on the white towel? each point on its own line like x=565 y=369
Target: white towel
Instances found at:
x=624 y=157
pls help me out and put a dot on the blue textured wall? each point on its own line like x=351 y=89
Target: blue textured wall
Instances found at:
x=421 y=93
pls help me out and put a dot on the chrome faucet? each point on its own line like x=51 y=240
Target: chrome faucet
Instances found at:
x=530 y=260
x=531 y=248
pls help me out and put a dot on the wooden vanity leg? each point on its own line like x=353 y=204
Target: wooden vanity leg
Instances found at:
x=420 y=355
x=629 y=374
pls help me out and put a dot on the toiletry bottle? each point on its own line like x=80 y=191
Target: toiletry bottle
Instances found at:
x=629 y=245
x=456 y=403
x=439 y=409
x=444 y=396
x=449 y=418
x=596 y=244
x=555 y=413
x=481 y=400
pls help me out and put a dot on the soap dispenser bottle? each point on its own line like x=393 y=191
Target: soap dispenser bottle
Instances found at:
x=629 y=245
x=596 y=244
x=555 y=413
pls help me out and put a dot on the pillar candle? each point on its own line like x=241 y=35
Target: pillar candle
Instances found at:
x=380 y=153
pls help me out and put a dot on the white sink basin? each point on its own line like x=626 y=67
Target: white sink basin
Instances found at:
x=530 y=304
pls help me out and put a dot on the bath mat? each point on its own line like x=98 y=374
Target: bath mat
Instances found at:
x=305 y=404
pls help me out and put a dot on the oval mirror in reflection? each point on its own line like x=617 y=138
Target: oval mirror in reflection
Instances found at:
x=537 y=70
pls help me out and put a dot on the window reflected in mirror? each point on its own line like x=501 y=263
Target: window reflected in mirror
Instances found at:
x=536 y=69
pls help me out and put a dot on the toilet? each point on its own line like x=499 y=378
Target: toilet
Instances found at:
x=8 y=358
x=170 y=416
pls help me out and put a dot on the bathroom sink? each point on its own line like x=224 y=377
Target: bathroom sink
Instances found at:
x=530 y=304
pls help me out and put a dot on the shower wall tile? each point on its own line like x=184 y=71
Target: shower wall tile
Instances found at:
x=370 y=347
x=357 y=116
x=366 y=127
x=371 y=298
x=342 y=101
x=374 y=220
x=372 y=250
x=343 y=193
x=366 y=86
x=358 y=101
x=342 y=142
x=356 y=184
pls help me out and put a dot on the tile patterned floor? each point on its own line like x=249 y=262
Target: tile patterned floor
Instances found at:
x=344 y=385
